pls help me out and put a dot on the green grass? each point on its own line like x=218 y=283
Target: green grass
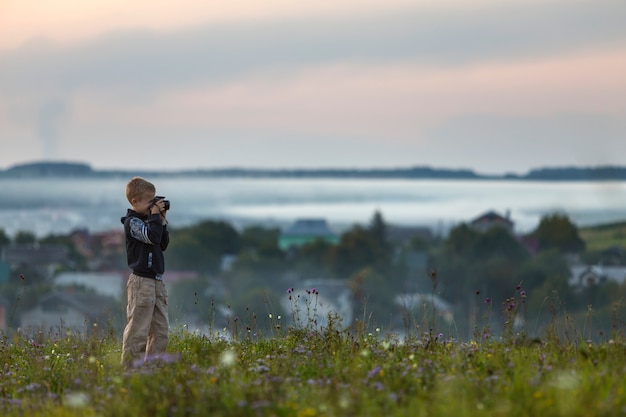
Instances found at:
x=314 y=372
x=601 y=237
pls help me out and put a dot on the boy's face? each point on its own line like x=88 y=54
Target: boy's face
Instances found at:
x=143 y=203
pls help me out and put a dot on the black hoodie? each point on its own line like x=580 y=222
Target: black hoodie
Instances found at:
x=146 y=239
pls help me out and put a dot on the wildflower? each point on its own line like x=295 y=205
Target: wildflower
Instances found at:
x=523 y=294
x=21 y=276
x=374 y=372
x=518 y=287
x=227 y=358
x=289 y=290
x=77 y=400
x=487 y=300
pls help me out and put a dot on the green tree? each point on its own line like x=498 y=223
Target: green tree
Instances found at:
x=373 y=297
x=556 y=231
x=535 y=271
x=24 y=238
x=201 y=247
x=461 y=242
x=357 y=249
x=262 y=241
x=4 y=238
x=187 y=252
x=472 y=261
x=312 y=260
x=378 y=229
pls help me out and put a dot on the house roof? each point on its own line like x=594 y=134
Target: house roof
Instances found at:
x=309 y=227
x=491 y=217
x=91 y=305
x=104 y=283
x=35 y=254
x=611 y=273
x=416 y=300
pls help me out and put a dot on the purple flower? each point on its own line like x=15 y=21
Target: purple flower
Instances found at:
x=374 y=372
x=487 y=300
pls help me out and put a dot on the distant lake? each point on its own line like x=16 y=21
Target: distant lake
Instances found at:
x=46 y=205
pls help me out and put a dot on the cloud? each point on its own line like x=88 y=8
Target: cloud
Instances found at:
x=434 y=85
x=143 y=59
x=508 y=143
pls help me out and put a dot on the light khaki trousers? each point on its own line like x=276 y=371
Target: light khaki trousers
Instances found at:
x=147 y=327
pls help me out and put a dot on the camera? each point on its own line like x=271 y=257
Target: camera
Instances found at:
x=166 y=202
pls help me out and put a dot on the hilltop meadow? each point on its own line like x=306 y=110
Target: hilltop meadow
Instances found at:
x=534 y=346
x=309 y=370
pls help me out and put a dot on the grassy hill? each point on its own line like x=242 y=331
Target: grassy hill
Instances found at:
x=604 y=236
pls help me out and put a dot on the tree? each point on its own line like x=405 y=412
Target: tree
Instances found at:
x=461 y=241
x=479 y=261
x=378 y=229
x=558 y=232
x=4 y=238
x=262 y=241
x=535 y=271
x=202 y=246
x=313 y=259
x=24 y=238
x=373 y=297
x=357 y=249
x=187 y=252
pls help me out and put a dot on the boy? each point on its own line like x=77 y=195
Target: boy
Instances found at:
x=145 y=226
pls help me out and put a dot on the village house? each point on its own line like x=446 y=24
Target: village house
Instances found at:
x=305 y=231
x=420 y=302
x=582 y=276
x=491 y=219
x=101 y=249
x=333 y=297
x=60 y=311
x=43 y=259
x=109 y=284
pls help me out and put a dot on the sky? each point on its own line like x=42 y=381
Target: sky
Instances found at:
x=489 y=85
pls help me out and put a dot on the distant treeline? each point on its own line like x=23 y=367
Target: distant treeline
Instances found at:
x=76 y=169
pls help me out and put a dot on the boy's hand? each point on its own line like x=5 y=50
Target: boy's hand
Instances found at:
x=158 y=208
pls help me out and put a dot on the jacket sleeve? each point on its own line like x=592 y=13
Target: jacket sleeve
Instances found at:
x=165 y=238
x=150 y=231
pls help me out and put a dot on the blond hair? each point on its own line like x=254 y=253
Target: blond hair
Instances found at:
x=137 y=187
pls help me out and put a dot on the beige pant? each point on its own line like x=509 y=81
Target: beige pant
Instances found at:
x=147 y=325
